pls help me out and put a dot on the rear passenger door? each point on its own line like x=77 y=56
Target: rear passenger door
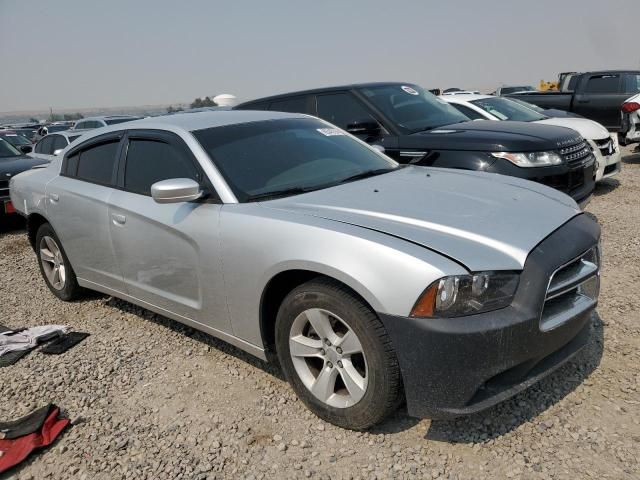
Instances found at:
x=78 y=209
x=168 y=253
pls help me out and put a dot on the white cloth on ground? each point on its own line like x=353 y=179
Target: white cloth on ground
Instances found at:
x=28 y=339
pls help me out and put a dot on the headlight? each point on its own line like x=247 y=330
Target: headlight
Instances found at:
x=533 y=159
x=459 y=295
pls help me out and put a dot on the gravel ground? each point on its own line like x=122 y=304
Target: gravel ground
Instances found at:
x=150 y=398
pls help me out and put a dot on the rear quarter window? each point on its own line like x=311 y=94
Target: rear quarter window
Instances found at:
x=603 y=84
x=291 y=105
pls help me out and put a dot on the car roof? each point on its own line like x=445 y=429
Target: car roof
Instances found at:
x=351 y=86
x=106 y=117
x=69 y=133
x=466 y=97
x=604 y=72
x=191 y=122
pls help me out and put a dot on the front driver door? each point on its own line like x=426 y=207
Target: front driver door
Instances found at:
x=168 y=253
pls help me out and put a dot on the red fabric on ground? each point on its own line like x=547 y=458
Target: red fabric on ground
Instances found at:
x=16 y=450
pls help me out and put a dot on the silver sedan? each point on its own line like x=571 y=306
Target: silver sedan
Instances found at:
x=372 y=282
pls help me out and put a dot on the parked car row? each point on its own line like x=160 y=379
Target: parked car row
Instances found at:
x=414 y=126
x=21 y=151
x=595 y=95
x=391 y=257
x=604 y=145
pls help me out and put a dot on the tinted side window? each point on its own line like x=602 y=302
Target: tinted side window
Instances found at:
x=81 y=125
x=150 y=161
x=253 y=106
x=96 y=163
x=632 y=83
x=290 y=105
x=38 y=147
x=469 y=112
x=603 y=84
x=341 y=109
x=46 y=145
x=59 y=142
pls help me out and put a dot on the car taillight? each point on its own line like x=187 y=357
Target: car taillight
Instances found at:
x=630 y=107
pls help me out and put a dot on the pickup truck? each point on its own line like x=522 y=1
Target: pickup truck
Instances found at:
x=413 y=126
x=597 y=96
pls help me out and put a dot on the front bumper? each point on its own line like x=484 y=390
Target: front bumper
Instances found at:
x=458 y=366
x=607 y=164
x=577 y=182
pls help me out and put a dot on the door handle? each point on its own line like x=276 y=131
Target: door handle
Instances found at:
x=119 y=219
x=584 y=101
x=54 y=197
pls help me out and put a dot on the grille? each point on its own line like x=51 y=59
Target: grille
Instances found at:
x=576 y=155
x=573 y=289
x=4 y=189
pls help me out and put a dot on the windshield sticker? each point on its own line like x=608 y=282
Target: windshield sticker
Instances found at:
x=409 y=90
x=330 y=132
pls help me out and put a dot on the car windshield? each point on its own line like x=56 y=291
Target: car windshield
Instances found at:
x=113 y=121
x=533 y=107
x=412 y=108
x=8 y=150
x=284 y=157
x=505 y=109
x=16 y=140
x=525 y=88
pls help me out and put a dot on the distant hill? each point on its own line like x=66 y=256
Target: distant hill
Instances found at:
x=141 y=110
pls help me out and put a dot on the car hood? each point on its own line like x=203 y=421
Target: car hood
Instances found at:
x=484 y=221
x=11 y=166
x=587 y=128
x=491 y=136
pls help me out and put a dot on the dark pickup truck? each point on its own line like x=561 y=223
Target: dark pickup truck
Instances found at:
x=595 y=95
x=414 y=126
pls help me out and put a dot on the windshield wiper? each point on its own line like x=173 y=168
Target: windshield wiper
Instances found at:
x=285 y=192
x=369 y=173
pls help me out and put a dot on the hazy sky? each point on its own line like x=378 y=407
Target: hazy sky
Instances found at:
x=86 y=53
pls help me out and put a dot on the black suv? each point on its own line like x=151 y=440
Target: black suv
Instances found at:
x=415 y=126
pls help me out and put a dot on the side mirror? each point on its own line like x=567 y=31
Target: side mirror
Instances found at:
x=176 y=190
x=25 y=148
x=369 y=128
x=58 y=151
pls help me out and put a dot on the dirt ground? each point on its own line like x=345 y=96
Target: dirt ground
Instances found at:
x=152 y=399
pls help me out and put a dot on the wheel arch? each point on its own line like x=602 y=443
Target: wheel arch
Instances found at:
x=34 y=222
x=279 y=286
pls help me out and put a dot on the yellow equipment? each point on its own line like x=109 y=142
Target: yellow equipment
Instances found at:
x=548 y=86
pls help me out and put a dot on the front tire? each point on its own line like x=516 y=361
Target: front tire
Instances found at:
x=55 y=266
x=337 y=355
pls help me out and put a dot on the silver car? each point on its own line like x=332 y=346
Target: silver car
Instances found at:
x=280 y=233
x=54 y=143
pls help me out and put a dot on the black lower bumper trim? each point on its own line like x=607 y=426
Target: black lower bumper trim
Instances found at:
x=458 y=366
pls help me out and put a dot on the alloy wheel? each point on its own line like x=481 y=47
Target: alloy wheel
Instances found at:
x=328 y=357
x=52 y=262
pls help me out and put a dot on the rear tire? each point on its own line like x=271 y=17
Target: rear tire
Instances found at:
x=337 y=356
x=54 y=265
